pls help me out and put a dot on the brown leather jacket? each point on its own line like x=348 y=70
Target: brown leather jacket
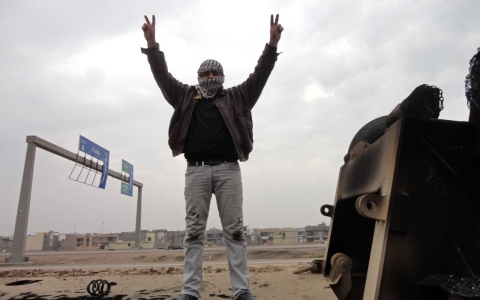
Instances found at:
x=234 y=104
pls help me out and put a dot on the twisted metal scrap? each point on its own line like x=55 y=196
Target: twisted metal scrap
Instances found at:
x=472 y=82
x=98 y=288
x=425 y=101
x=472 y=92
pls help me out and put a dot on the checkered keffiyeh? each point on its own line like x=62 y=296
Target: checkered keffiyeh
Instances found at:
x=209 y=87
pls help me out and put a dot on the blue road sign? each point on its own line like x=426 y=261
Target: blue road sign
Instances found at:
x=127 y=188
x=94 y=150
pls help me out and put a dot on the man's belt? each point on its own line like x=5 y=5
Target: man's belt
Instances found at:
x=207 y=163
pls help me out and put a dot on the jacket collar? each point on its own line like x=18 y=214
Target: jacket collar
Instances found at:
x=221 y=91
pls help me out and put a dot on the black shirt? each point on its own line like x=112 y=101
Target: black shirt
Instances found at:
x=208 y=138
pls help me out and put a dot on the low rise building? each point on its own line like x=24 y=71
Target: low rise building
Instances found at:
x=317 y=233
x=85 y=242
x=172 y=239
x=277 y=236
x=285 y=236
x=214 y=236
x=6 y=243
x=42 y=241
x=301 y=235
x=164 y=239
x=249 y=235
x=289 y=235
x=148 y=240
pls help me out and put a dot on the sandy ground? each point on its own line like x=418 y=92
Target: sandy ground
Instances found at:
x=268 y=281
x=209 y=254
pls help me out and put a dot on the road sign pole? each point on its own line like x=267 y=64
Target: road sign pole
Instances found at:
x=138 y=223
x=21 y=224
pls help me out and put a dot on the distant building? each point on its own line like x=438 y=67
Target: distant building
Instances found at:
x=215 y=236
x=126 y=240
x=317 y=233
x=277 y=236
x=155 y=239
x=288 y=235
x=301 y=235
x=171 y=240
x=6 y=243
x=85 y=242
x=249 y=235
x=164 y=239
x=42 y=241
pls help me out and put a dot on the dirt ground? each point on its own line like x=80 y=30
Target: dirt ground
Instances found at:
x=152 y=281
x=111 y=257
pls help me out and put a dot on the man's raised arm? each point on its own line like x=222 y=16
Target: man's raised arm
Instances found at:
x=149 y=31
x=170 y=87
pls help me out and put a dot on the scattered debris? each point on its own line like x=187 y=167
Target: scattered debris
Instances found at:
x=264 y=285
x=22 y=282
x=99 y=287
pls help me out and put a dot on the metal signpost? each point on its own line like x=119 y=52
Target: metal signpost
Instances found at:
x=86 y=146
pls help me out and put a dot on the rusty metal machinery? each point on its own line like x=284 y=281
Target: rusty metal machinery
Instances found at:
x=405 y=221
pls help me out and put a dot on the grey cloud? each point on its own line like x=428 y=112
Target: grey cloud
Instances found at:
x=391 y=47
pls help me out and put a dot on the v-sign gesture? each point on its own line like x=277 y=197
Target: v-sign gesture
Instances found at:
x=149 y=31
x=275 y=31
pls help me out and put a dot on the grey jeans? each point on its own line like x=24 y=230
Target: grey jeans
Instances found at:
x=225 y=181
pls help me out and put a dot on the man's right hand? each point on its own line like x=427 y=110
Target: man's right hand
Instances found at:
x=149 y=32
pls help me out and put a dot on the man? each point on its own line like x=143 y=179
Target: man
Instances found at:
x=212 y=126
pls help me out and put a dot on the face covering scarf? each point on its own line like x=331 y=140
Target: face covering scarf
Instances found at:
x=208 y=87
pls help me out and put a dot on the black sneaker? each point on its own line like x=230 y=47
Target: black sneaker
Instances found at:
x=246 y=296
x=188 y=297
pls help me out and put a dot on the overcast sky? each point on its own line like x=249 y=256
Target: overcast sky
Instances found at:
x=70 y=68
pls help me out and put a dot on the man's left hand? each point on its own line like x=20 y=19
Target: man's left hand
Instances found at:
x=275 y=31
